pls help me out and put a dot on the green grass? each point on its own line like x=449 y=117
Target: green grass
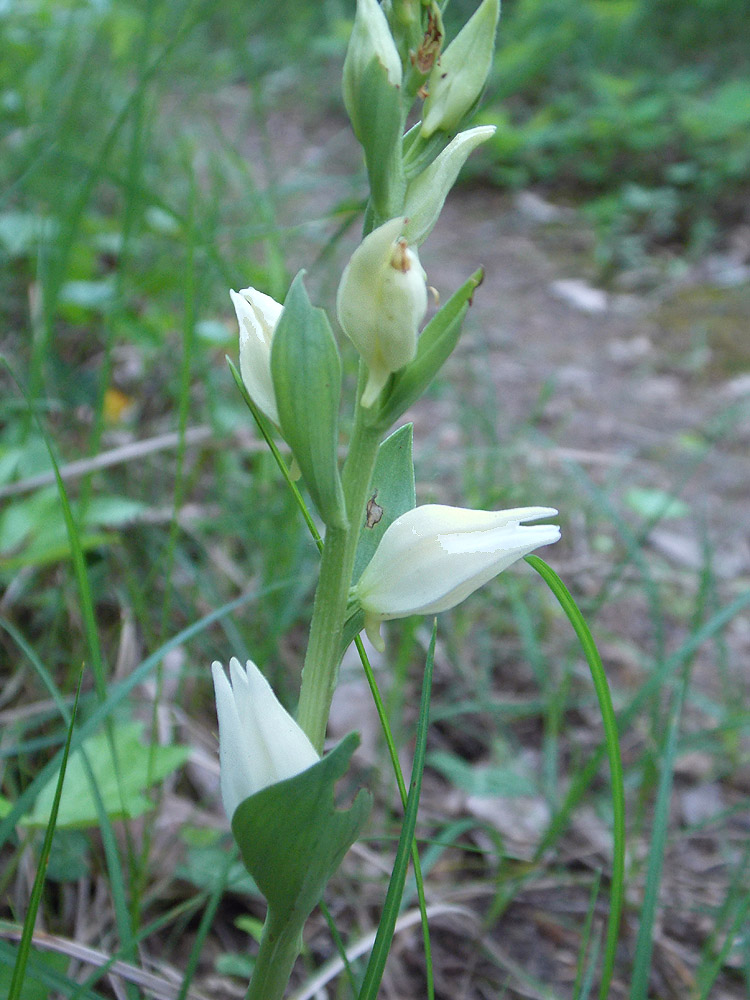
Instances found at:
x=131 y=200
x=641 y=109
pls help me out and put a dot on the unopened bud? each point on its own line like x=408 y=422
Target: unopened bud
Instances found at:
x=370 y=43
x=381 y=301
x=258 y=315
x=259 y=742
x=458 y=77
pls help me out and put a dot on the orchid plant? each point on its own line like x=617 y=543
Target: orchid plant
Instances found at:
x=382 y=556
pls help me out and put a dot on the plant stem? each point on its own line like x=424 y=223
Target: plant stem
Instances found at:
x=280 y=945
x=324 y=648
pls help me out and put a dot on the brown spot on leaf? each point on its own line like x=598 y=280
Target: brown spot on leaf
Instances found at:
x=374 y=511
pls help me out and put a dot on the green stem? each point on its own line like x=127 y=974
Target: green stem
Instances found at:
x=280 y=945
x=337 y=563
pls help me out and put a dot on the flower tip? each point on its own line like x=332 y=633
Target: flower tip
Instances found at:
x=372 y=629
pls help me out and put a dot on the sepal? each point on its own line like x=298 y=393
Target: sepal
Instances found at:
x=426 y=194
x=434 y=347
x=306 y=371
x=457 y=79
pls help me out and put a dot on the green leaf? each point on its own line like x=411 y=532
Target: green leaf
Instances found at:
x=292 y=838
x=435 y=346
x=392 y=493
x=121 y=784
x=654 y=504
x=306 y=371
x=379 y=115
x=488 y=782
x=22 y=232
x=25 y=945
x=113 y=511
x=43 y=973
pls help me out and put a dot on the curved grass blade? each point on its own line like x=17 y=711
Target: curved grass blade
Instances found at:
x=609 y=722
x=24 y=947
x=386 y=927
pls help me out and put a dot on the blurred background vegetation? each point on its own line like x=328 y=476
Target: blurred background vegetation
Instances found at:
x=154 y=154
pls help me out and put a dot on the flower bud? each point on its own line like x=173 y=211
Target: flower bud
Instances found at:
x=433 y=557
x=427 y=192
x=370 y=42
x=258 y=316
x=259 y=742
x=381 y=301
x=457 y=79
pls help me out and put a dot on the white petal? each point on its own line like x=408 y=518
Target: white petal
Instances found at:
x=259 y=742
x=288 y=747
x=434 y=556
x=254 y=746
x=266 y=309
x=235 y=774
x=257 y=320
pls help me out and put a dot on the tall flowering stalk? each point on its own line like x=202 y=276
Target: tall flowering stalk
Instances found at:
x=277 y=789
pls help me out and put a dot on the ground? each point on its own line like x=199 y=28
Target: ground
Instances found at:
x=624 y=406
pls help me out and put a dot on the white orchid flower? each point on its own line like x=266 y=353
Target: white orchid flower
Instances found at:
x=381 y=301
x=259 y=741
x=432 y=557
x=258 y=315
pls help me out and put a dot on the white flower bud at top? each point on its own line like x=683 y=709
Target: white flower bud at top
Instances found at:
x=258 y=315
x=427 y=192
x=370 y=40
x=458 y=77
x=381 y=301
x=432 y=557
x=259 y=742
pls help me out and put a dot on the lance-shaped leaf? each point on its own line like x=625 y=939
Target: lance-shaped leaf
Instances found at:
x=435 y=345
x=306 y=371
x=292 y=837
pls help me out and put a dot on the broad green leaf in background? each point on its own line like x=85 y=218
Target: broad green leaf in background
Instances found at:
x=653 y=503
x=36 y=985
x=33 y=530
x=498 y=780
x=122 y=786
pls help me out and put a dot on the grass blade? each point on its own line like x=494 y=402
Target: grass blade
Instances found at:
x=612 y=742
x=24 y=947
x=384 y=936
